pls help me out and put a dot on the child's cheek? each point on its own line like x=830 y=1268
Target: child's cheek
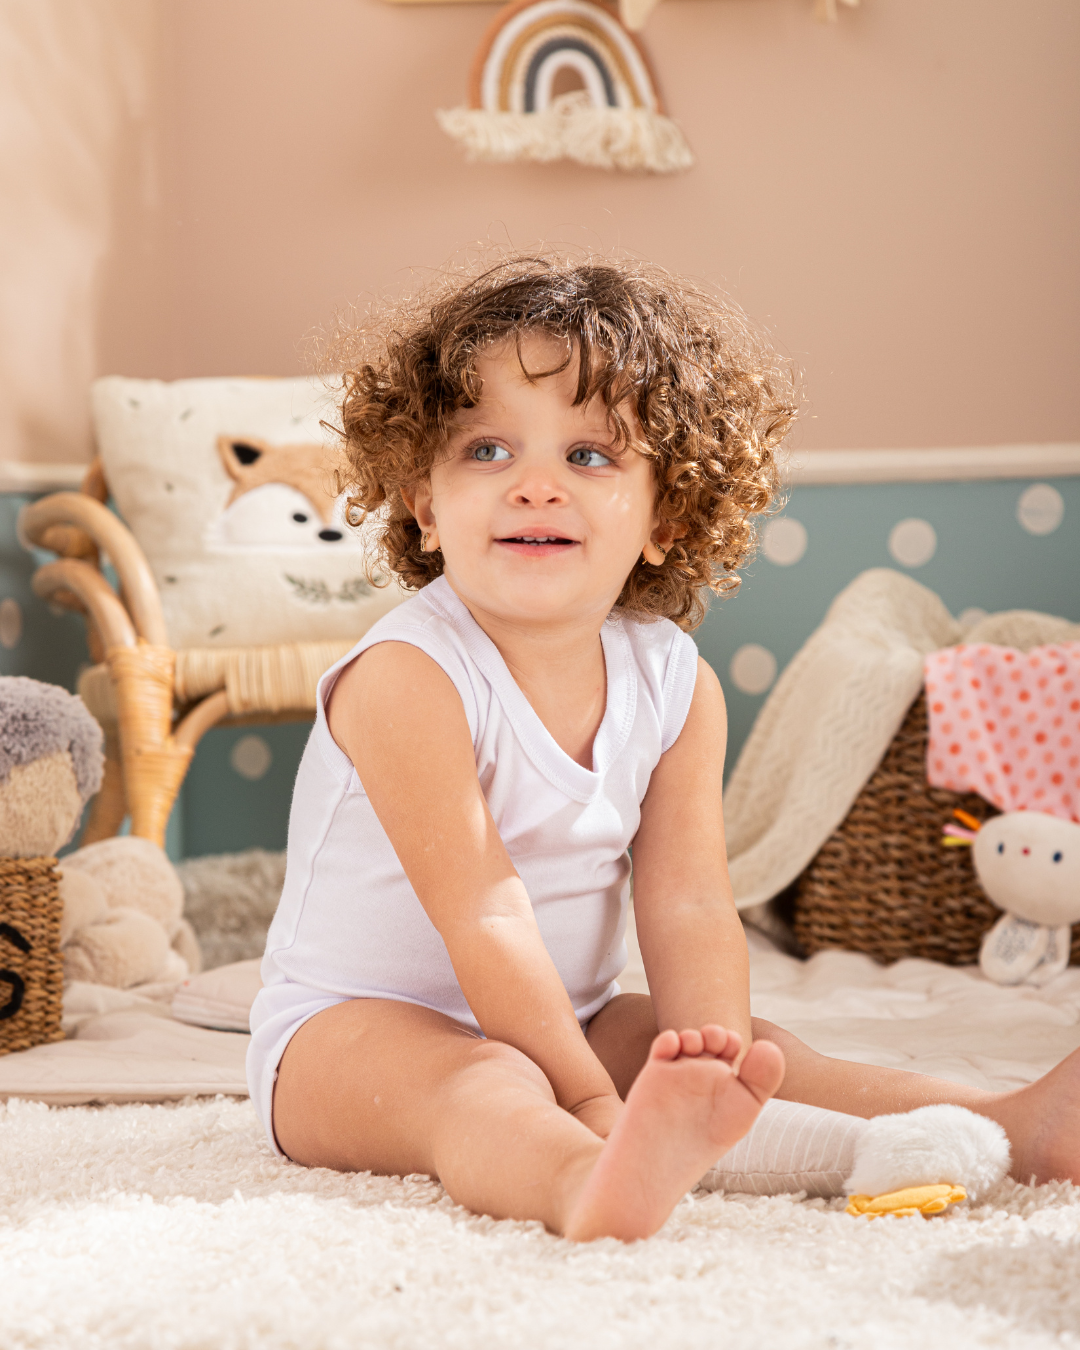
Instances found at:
x=629 y=506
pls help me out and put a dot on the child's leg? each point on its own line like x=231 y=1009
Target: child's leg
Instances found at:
x=394 y=1088
x=791 y=1147
x=1042 y=1120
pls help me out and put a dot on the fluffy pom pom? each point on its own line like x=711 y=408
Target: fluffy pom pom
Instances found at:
x=931 y=1145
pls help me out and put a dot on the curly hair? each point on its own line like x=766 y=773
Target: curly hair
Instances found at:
x=712 y=399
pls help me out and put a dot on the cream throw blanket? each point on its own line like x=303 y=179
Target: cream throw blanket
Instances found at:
x=832 y=714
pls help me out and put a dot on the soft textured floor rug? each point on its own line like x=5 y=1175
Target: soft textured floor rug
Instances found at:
x=174 y=1226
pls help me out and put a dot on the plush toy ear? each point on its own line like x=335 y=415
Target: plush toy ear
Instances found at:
x=238 y=455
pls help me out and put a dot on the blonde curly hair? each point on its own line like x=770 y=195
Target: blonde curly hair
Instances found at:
x=712 y=399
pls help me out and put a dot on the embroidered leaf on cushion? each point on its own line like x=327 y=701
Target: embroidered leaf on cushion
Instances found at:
x=229 y=487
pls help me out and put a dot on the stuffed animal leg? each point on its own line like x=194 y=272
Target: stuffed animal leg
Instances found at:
x=128 y=948
x=792 y=1147
x=1017 y=951
x=122 y=923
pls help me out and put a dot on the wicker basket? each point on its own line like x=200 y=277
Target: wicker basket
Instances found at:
x=32 y=974
x=883 y=883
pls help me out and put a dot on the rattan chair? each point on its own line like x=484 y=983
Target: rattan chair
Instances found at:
x=153 y=702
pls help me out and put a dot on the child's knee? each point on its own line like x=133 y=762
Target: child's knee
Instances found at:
x=786 y=1040
x=489 y=1062
x=769 y=1031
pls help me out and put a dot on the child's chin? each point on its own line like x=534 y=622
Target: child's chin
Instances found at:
x=525 y=594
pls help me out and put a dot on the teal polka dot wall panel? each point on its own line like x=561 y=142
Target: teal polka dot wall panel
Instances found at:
x=238 y=789
x=1006 y=544
x=35 y=640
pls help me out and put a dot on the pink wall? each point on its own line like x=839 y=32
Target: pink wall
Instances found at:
x=75 y=114
x=895 y=195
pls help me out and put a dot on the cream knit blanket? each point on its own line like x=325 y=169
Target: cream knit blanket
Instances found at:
x=832 y=714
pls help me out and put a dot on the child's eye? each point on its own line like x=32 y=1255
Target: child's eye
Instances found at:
x=488 y=453
x=583 y=458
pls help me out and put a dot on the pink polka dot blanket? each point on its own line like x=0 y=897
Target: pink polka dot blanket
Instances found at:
x=1006 y=724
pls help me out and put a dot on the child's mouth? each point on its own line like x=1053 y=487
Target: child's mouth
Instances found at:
x=537 y=545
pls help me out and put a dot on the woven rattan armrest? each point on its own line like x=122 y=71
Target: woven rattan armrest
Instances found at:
x=146 y=757
x=63 y=522
x=256 y=682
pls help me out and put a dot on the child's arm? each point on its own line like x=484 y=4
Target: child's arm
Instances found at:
x=398 y=717
x=691 y=937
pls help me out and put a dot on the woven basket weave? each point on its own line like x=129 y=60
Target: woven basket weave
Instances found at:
x=884 y=884
x=31 y=967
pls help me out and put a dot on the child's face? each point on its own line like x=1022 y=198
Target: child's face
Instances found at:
x=525 y=464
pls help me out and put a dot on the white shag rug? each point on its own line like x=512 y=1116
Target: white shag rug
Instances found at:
x=174 y=1226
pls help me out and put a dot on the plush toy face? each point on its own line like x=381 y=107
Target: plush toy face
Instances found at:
x=50 y=765
x=277 y=517
x=282 y=499
x=40 y=805
x=1029 y=865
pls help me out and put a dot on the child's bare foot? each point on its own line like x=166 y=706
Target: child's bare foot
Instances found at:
x=1042 y=1121
x=686 y=1109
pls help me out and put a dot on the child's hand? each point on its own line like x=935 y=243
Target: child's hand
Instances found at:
x=598 y=1113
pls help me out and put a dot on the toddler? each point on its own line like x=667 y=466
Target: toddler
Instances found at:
x=563 y=458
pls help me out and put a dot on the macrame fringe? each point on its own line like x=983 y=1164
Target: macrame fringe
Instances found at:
x=572 y=128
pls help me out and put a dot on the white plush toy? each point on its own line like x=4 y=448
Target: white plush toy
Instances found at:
x=122 y=921
x=1005 y=723
x=1028 y=863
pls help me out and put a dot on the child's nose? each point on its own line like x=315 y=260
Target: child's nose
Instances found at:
x=538 y=490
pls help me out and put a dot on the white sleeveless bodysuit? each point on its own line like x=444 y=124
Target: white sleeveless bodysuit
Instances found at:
x=349 y=924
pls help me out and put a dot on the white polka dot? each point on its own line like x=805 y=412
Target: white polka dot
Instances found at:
x=753 y=668
x=784 y=541
x=251 y=757
x=968 y=618
x=912 y=542
x=10 y=622
x=1040 y=509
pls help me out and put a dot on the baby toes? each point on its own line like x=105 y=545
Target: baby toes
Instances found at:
x=762 y=1070
x=668 y=1045
x=722 y=1043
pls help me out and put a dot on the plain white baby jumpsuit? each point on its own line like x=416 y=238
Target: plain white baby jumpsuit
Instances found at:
x=349 y=924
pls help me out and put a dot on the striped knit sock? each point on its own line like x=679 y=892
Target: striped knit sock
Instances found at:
x=791 y=1147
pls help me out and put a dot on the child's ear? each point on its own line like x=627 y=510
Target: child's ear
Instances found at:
x=417 y=498
x=667 y=532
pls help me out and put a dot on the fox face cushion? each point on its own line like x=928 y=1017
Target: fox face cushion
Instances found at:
x=230 y=488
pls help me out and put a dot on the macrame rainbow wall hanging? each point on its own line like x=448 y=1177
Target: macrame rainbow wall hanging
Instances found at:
x=565 y=79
